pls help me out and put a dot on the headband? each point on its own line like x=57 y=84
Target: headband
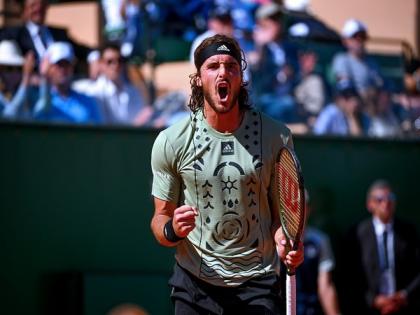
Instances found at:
x=221 y=48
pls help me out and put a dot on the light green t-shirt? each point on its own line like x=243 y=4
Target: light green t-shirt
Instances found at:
x=227 y=176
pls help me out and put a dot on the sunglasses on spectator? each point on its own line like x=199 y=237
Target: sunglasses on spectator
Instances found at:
x=381 y=199
x=114 y=61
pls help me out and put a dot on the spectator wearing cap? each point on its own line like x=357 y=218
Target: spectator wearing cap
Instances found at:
x=219 y=22
x=354 y=65
x=273 y=66
x=344 y=117
x=63 y=104
x=16 y=93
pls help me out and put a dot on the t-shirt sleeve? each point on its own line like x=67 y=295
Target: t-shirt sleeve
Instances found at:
x=326 y=261
x=166 y=180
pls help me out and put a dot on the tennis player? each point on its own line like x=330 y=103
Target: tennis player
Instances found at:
x=212 y=187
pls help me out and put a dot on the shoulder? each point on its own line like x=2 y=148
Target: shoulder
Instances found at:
x=330 y=110
x=178 y=133
x=364 y=227
x=268 y=123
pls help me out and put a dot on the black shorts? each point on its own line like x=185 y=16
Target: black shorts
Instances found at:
x=259 y=295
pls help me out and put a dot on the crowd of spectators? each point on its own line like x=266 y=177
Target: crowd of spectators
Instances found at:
x=46 y=75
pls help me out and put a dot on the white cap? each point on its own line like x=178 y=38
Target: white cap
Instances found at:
x=296 y=5
x=60 y=51
x=352 y=27
x=10 y=53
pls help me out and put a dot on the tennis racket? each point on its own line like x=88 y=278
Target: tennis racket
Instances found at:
x=291 y=202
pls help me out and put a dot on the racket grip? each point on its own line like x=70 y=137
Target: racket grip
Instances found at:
x=291 y=295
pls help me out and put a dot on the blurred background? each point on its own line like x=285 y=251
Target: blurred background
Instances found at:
x=85 y=87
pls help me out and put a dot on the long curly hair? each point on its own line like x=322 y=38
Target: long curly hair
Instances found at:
x=196 y=101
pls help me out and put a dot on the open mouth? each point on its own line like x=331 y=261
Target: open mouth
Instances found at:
x=223 y=90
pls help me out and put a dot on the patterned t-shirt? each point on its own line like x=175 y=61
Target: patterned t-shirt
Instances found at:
x=227 y=176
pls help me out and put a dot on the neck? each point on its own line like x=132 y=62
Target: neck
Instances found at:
x=224 y=122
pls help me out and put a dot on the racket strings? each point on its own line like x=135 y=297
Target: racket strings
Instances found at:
x=290 y=195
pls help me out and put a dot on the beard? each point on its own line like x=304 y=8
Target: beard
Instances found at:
x=213 y=101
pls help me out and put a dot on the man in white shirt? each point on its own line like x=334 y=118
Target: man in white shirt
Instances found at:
x=383 y=263
x=120 y=100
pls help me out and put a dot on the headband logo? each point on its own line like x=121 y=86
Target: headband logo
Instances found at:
x=223 y=47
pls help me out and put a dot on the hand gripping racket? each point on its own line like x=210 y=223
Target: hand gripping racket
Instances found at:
x=291 y=201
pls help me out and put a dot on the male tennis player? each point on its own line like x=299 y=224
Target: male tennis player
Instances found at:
x=213 y=187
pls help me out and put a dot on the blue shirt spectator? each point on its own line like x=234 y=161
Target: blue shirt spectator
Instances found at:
x=63 y=104
x=344 y=116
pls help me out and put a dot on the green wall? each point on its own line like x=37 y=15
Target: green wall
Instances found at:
x=75 y=205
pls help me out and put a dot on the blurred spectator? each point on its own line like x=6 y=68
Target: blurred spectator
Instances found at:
x=15 y=75
x=316 y=293
x=301 y=23
x=34 y=35
x=343 y=117
x=410 y=99
x=382 y=260
x=219 y=22
x=310 y=91
x=114 y=20
x=127 y=309
x=273 y=66
x=383 y=121
x=119 y=99
x=64 y=104
x=354 y=65
x=130 y=11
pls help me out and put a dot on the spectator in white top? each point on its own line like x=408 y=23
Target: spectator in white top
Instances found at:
x=120 y=100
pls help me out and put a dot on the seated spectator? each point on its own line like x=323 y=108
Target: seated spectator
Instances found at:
x=119 y=99
x=131 y=13
x=383 y=121
x=273 y=65
x=354 y=65
x=310 y=91
x=63 y=104
x=343 y=117
x=16 y=93
x=35 y=36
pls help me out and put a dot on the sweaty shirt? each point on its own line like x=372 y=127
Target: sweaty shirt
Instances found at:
x=227 y=176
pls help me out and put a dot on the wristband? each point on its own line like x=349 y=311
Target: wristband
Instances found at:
x=168 y=231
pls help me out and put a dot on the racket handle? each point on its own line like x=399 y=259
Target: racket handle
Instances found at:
x=291 y=295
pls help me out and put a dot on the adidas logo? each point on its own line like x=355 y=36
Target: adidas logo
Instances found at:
x=223 y=47
x=228 y=148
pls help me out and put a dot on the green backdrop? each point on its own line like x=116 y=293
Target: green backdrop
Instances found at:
x=75 y=211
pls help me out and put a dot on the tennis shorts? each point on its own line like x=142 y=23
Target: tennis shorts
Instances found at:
x=192 y=295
